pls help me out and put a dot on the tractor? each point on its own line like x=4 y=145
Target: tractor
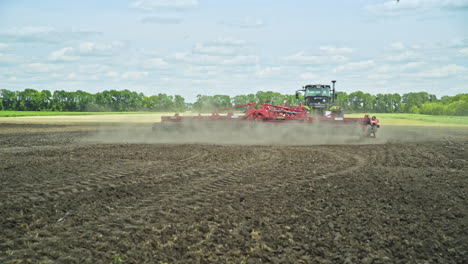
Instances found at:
x=320 y=100
x=319 y=109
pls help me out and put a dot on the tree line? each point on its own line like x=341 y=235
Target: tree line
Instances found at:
x=80 y=101
x=416 y=102
x=113 y=100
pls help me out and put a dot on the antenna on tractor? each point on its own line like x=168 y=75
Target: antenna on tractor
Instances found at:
x=334 y=93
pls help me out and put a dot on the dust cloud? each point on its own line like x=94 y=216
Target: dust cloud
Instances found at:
x=265 y=134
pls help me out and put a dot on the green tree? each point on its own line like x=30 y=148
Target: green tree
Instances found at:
x=84 y=100
x=417 y=99
x=448 y=105
x=27 y=100
x=251 y=98
x=414 y=110
x=8 y=99
x=367 y=102
x=380 y=103
x=164 y=102
x=149 y=102
x=179 y=103
x=240 y=100
x=219 y=101
x=342 y=100
x=202 y=103
x=393 y=103
x=356 y=101
x=45 y=100
x=270 y=97
x=459 y=108
x=291 y=100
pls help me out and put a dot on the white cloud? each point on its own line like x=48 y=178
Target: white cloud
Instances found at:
x=412 y=66
x=87 y=48
x=181 y=56
x=112 y=74
x=215 y=60
x=403 y=56
x=155 y=63
x=197 y=59
x=199 y=71
x=42 y=67
x=445 y=71
x=360 y=65
x=3 y=46
x=12 y=78
x=336 y=50
x=65 y=54
x=223 y=51
x=6 y=59
x=267 y=71
x=71 y=76
x=309 y=76
x=246 y=22
x=306 y=59
x=30 y=30
x=385 y=69
x=242 y=60
x=92 y=68
x=464 y=51
x=402 y=52
x=97 y=49
x=228 y=42
x=419 y=5
x=134 y=75
x=303 y=58
x=162 y=19
x=44 y=34
x=454 y=43
x=213 y=49
x=407 y=67
x=151 y=5
x=379 y=76
x=397 y=46
x=220 y=47
x=166 y=79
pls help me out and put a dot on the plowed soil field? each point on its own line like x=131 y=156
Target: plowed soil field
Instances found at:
x=70 y=196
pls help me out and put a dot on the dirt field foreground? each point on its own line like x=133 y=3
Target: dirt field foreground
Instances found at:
x=121 y=194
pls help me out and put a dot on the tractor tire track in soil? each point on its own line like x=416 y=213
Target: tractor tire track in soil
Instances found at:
x=63 y=201
x=109 y=177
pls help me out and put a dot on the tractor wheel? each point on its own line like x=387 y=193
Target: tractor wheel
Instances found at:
x=371 y=131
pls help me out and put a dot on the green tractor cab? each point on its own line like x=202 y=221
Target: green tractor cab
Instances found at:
x=320 y=99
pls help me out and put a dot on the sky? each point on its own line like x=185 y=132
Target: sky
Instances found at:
x=191 y=47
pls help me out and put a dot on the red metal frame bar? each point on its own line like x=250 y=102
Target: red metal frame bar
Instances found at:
x=270 y=113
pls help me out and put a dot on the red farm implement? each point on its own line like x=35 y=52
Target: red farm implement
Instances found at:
x=262 y=113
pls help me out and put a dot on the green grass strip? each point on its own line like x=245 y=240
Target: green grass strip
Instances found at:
x=56 y=113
